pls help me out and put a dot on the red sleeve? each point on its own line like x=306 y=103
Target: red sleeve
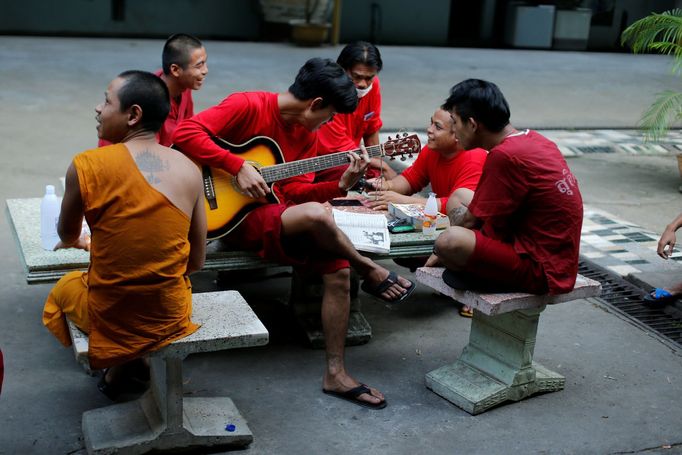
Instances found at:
x=334 y=136
x=501 y=189
x=302 y=189
x=471 y=167
x=417 y=175
x=193 y=135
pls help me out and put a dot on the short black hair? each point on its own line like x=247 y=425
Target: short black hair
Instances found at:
x=360 y=52
x=178 y=49
x=480 y=100
x=321 y=77
x=150 y=93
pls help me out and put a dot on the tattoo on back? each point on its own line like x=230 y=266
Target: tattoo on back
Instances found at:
x=149 y=163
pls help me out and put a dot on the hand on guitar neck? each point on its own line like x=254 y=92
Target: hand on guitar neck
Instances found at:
x=356 y=169
x=251 y=181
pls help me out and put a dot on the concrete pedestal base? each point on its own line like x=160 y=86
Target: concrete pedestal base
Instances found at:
x=163 y=419
x=136 y=427
x=497 y=364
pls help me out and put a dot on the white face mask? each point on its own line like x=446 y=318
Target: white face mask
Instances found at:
x=363 y=91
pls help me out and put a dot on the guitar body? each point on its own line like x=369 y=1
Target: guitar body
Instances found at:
x=231 y=204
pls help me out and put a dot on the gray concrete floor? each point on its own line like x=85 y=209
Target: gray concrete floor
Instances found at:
x=623 y=385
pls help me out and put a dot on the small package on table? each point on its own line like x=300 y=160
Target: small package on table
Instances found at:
x=415 y=214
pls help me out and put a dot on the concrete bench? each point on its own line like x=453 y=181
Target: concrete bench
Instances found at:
x=162 y=419
x=497 y=364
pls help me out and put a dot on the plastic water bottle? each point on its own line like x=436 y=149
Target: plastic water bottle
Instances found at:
x=49 y=217
x=430 y=216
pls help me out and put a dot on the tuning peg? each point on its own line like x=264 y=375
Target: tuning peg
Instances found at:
x=392 y=158
x=389 y=138
x=404 y=134
x=409 y=155
x=402 y=158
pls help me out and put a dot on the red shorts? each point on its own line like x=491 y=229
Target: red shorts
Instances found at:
x=261 y=231
x=500 y=263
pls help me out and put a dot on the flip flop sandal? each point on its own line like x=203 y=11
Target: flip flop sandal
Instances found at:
x=466 y=312
x=659 y=297
x=380 y=288
x=353 y=394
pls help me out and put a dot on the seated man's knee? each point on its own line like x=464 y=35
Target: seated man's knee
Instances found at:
x=455 y=241
x=316 y=214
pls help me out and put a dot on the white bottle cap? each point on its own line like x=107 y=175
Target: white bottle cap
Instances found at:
x=49 y=189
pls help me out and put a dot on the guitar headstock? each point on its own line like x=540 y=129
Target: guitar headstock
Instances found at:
x=401 y=146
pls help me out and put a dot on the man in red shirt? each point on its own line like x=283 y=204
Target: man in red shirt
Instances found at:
x=521 y=230
x=184 y=69
x=298 y=231
x=362 y=62
x=452 y=171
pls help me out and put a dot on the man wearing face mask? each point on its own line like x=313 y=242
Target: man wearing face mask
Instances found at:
x=362 y=62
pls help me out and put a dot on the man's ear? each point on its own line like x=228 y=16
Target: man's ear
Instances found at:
x=316 y=103
x=134 y=115
x=175 y=70
x=473 y=123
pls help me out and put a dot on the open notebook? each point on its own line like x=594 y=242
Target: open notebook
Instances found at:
x=367 y=231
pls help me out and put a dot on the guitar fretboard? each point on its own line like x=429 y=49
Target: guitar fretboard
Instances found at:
x=285 y=170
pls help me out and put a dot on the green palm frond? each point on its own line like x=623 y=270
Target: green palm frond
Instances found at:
x=660 y=33
x=654 y=29
x=657 y=119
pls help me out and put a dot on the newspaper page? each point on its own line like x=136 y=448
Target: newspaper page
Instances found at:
x=367 y=231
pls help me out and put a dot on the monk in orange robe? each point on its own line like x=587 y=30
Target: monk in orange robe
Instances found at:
x=144 y=205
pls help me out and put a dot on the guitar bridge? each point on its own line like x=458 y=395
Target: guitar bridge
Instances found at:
x=209 y=188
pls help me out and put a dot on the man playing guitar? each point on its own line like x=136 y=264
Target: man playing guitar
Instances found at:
x=299 y=230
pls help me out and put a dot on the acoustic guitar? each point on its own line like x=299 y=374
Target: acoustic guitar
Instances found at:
x=227 y=205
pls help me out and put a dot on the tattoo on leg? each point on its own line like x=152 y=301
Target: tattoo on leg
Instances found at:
x=456 y=215
x=149 y=163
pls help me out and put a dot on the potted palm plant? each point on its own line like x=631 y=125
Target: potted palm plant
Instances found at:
x=660 y=33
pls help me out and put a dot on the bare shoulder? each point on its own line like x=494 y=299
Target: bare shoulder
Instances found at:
x=180 y=160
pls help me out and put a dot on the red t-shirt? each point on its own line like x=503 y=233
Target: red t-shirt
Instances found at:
x=243 y=116
x=179 y=111
x=345 y=131
x=463 y=170
x=527 y=196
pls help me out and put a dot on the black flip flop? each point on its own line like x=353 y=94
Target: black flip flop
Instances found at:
x=390 y=280
x=353 y=394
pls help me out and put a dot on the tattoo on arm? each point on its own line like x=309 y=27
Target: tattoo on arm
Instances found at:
x=456 y=215
x=149 y=163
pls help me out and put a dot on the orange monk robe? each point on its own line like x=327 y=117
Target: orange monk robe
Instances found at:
x=135 y=297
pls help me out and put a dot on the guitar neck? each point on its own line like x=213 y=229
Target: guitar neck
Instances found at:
x=285 y=170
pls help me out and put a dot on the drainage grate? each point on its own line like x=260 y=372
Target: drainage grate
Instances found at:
x=627 y=298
